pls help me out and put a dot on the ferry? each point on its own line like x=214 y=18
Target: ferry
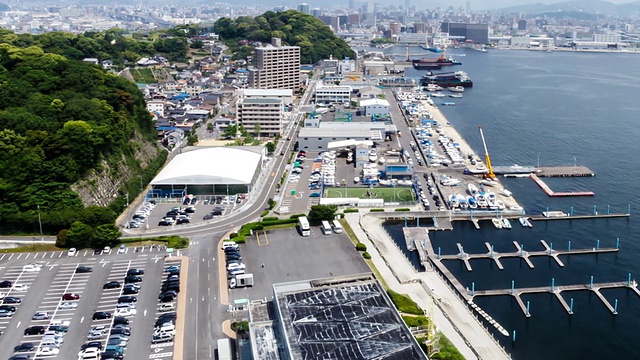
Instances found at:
x=451 y=79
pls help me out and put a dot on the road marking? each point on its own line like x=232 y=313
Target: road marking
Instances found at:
x=18 y=325
x=3 y=255
x=162 y=345
x=203 y=298
x=81 y=320
x=155 y=356
x=59 y=256
x=144 y=313
x=11 y=256
x=19 y=256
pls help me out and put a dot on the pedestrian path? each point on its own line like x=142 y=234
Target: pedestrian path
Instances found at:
x=450 y=313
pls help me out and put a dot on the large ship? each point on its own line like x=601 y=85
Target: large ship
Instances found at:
x=433 y=63
x=458 y=78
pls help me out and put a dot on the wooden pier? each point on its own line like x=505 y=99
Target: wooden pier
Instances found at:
x=495 y=256
x=552 y=193
x=557 y=290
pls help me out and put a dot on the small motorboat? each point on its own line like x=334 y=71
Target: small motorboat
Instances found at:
x=505 y=192
x=506 y=224
x=449 y=103
x=497 y=223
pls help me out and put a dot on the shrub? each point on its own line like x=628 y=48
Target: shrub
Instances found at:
x=295 y=216
x=366 y=255
x=361 y=247
x=272 y=203
x=416 y=321
x=404 y=303
x=350 y=210
x=233 y=235
x=279 y=221
x=258 y=227
x=270 y=218
x=403 y=209
x=264 y=213
x=239 y=240
x=376 y=210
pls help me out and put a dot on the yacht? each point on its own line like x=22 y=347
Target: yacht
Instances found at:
x=464 y=204
x=525 y=222
x=497 y=223
x=489 y=182
x=506 y=224
x=472 y=188
x=458 y=89
x=457 y=96
x=450 y=182
x=453 y=201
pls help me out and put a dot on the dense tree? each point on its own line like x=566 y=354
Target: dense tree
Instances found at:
x=322 y=212
x=79 y=234
x=316 y=40
x=105 y=235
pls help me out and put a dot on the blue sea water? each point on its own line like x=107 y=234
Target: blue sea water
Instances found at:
x=561 y=108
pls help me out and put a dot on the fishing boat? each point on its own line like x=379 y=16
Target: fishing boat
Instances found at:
x=472 y=202
x=438 y=95
x=505 y=192
x=525 y=222
x=456 y=96
x=472 y=188
x=506 y=224
x=449 y=103
x=497 y=223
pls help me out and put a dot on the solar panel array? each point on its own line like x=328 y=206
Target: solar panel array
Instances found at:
x=352 y=321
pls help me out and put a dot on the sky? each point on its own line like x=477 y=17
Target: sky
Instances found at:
x=494 y=4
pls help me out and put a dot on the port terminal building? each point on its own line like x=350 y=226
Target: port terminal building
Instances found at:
x=339 y=318
x=222 y=170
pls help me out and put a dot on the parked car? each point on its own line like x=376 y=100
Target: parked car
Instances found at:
x=112 y=285
x=72 y=252
x=24 y=347
x=70 y=296
x=6 y=284
x=132 y=279
x=127 y=299
x=101 y=315
x=20 y=287
x=11 y=300
x=83 y=269
x=34 y=330
x=33 y=267
x=92 y=344
x=134 y=272
x=122 y=249
x=40 y=315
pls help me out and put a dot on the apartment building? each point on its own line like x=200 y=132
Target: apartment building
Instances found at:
x=261 y=116
x=277 y=67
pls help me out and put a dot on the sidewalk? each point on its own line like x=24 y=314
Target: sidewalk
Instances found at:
x=450 y=315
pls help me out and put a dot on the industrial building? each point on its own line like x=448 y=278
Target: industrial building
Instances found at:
x=340 y=318
x=221 y=170
x=333 y=94
x=277 y=67
x=318 y=139
x=375 y=106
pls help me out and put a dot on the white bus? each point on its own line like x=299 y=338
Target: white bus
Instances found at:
x=303 y=223
x=337 y=227
x=224 y=349
x=326 y=228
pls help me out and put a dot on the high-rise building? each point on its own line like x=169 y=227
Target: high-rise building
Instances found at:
x=522 y=24
x=303 y=8
x=316 y=12
x=277 y=67
x=478 y=33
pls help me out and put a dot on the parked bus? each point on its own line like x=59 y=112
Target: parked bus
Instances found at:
x=326 y=228
x=303 y=224
x=224 y=349
x=337 y=227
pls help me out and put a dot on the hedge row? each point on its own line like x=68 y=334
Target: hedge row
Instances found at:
x=403 y=209
x=175 y=241
x=376 y=210
x=350 y=210
x=245 y=230
x=264 y=213
x=295 y=216
x=270 y=218
x=404 y=303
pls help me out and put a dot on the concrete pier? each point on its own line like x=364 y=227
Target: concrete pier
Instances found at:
x=525 y=255
x=543 y=185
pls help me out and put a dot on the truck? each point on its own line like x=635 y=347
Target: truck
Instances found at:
x=241 y=280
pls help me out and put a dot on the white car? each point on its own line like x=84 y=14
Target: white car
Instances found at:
x=167 y=307
x=235 y=266
x=67 y=305
x=72 y=252
x=95 y=335
x=47 y=350
x=32 y=267
x=60 y=323
x=125 y=312
x=122 y=249
x=89 y=353
x=20 y=287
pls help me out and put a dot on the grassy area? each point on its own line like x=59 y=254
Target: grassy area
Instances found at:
x=403 y=194
x=177 y=242
x=142 y=76
x=34 y=247
x=404 y=303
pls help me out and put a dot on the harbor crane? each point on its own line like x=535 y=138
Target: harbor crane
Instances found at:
x=486 y=155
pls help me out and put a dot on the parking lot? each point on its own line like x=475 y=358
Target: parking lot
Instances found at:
x=287 y=256
x=48 y=284
x=183 y=214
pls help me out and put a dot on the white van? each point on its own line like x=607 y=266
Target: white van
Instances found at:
x=326 y=228
x=229 y=245
x=337 y=227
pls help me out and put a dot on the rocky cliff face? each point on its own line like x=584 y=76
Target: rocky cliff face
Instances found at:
x=100 y=187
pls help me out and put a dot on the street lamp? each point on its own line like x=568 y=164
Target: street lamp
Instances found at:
x=575 y=162
x=538 y=160
x=141 y=188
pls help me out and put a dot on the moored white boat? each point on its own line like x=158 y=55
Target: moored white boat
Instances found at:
x=472 y=202
x=497 y=223
x=525 y=222
x=456 y=89
x=472 y=188
x=505 y=192
x=489 y=182
x=481 y=200
x=438 y=95
x=506 y=224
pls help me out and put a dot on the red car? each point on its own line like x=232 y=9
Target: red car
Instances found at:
x=70 y=296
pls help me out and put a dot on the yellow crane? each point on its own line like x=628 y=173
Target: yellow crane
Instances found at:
x=486 y=155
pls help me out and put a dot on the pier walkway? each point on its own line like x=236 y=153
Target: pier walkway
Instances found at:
x=552 y=193
x=521 y=253
x=557 y=290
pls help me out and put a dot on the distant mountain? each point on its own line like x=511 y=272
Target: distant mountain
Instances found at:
x=582 y=6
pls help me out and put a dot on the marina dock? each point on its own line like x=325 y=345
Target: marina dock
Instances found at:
x=564 y=171
x=552 y=193
x=521 y=253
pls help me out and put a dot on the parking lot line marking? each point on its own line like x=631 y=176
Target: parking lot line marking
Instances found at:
x=60 y=254
x=27 y=256
x=18 y=324
x=19 y=256
x=81 y=320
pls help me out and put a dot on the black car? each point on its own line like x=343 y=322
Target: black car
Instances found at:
x=24 y=347
x=127 y=299
x=129 y=291
x=166 y=298
x=171 y=287
x=11 y=300
x=112 y=285
x=182 y=221
x=120 y=331
x=83 y=269
x=97 y=252
x=133 y=272
x=8 y=308
x=6 y=284
x=168 y=317
x=190 y=210
x=20 y=357
x=111 y=354
x=170 y=293
x=164 y=222
x=101 y=315
x=120 y=320
x=34 y=330
x=186 y=201
x=194 y=201
x=132 y=279
x=233 y=257
x=90 y=344
x=209 y=216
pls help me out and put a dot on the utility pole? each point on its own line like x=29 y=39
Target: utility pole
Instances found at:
x=40 y=224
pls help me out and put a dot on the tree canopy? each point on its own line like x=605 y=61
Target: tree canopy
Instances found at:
x=59 y=119
x=316 y=40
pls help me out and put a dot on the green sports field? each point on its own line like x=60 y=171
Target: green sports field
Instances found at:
x=398 y=194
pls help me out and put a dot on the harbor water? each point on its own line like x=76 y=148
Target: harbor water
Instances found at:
x=555 y=108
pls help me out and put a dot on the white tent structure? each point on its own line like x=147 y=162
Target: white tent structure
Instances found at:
x=215 y=170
